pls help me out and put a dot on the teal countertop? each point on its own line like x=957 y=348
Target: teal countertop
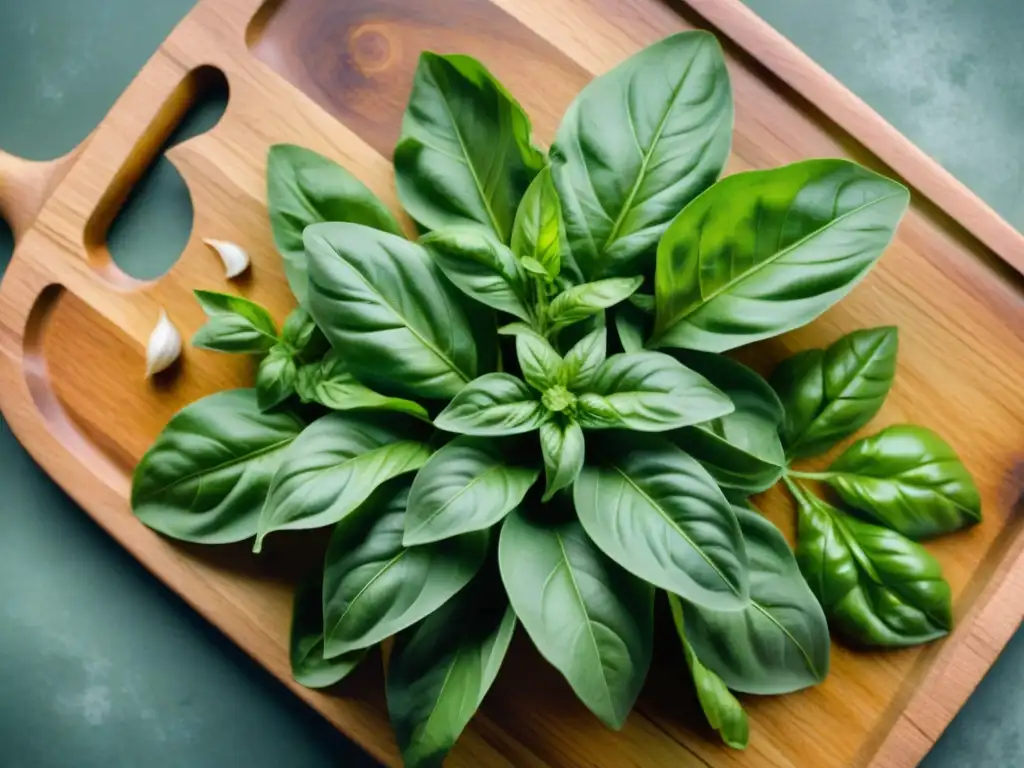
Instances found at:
x=103 y=666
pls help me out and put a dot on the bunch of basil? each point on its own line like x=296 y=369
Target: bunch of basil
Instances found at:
x=564 y=314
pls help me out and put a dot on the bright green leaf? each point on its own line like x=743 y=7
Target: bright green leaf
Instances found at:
x=579 y=302
x=235 y=325
x=564 y=449
x=536 y=236
x=541 y=364
x=275 y=378
x=331 y=384
x=494 y=404
x=584 y=360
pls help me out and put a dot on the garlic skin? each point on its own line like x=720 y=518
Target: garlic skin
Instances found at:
x=235 y=259
x=164 y=346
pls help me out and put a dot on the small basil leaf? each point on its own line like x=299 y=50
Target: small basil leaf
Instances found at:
x=535 y=268
x=465 y=155
x=468 y=485
x=583 y=361
x=648 y=392
x=908 y=479
x=659 y=514
x=830 y=394
x=375 y=587
x=306 y=188
x=541 y=364
x=638 y=144
x=303 y=336
x=877 y=587
x=494 y=404
x=632 y=326
x=333 y=467
x=579 y=302
x=644 y=302
x=275 y=378
x=779 y=643
x=723 y=712
x=590 y=619
x=763 y=252
x=207 y=474
x=536 y=236
x=331 y=384
x=306 y=647
x=563 y=448
x=235 y=325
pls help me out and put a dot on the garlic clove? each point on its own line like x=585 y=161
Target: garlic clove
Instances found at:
x=164 y=346
x=235 y=259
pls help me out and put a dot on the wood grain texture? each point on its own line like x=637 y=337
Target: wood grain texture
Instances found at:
x=335 y=77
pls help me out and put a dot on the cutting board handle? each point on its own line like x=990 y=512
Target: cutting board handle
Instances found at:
x=25 y=185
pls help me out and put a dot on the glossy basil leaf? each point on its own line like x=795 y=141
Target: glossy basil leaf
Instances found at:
x=306 y=188
x=541 y=364
x=494 y=404
x=583 y=360
x=637 y=145
x=563 y=447
x=301 y=334
x=632 y=326
x=468 y=485
x=660 y=515
x=207 y=474
x=779 y=643
x=275 y=378
x=465 y=155
x=648 y=392
x=877 y=587
x=481 y=267
x=334 y=466
x=536 y=235
x=590 y=619
x=763 y=252
x=331 y=384
x=908 y=479
x=742 y=449
x=580 y=302
x=442 y=668
x=830 y=394
x=720 y=707
x=235 y=325
x=375 y=587
x=306 y=647
x=382 y=301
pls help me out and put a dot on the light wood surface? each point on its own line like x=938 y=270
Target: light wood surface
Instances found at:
x=335 y=77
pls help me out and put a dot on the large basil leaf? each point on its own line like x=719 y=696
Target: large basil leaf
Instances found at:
x=580 y=302
x=465 y=155
x=537 y=231
x=721 y=709
x=659 y=514
x=742 y=449
x=564 y=449
x=909 y=479
x=469 y=484
x=779 y=643
x=331 y=384
x=375 y=587
x=638 y=144
x=877 y=587
x=442 y=668
x=583 y=360
x=305 y=188
x=383 y=301
x=591 y=620
x=541 y=364
x=763 y=252
x=306 y=647
x=648 y=392
x=830 y=394
x=333 y=467
x=235 y=325
x=207 y=475
x=275 y=377
x=494 y=404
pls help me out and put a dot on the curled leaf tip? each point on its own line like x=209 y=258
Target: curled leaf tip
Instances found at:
x=164 y=346
x=234 y=257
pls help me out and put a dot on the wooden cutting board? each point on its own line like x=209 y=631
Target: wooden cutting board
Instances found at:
x=335 y=77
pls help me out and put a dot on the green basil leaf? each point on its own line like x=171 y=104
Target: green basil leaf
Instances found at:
x=481 y=267
x=632 y=326
x=779 y=643
x=275 y=378
x=465 y=155
x=590 y=619
x=830 y=394
x=207 y=474
x=306 y=648
x=334 y=466
x=763 y=252
x=877 y=587
x=908 y=479
x=384 y=302
x=494 y=404
x=303 y=336
x=468 y=485
x=375 y=587
x=306 y=188
x=541 y=364
x=638 y=144
x=563 y=447
x=331 y=384
x=660 y=515
x=644 y=302
x=721 y=709
x=536 y=235
x=235 y=325
x=442 y=668
x=648 y=392
x=580 y=302
x=742 y=449
x=583 y=361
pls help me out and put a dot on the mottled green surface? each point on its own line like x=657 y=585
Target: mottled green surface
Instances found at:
x=101 y=665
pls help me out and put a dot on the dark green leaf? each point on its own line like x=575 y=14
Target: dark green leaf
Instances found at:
x=331 y=384
x=583 y=361
x=494 y=404
x=275 y=378
x=579 y=302
x=235 y=325
x=537 y=233
x=564 y=449
x=306 y=649
x=541 y=364
x=632 y=326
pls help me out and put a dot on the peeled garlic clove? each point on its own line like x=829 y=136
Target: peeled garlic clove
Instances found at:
x=235 y=259
x=164 y=346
